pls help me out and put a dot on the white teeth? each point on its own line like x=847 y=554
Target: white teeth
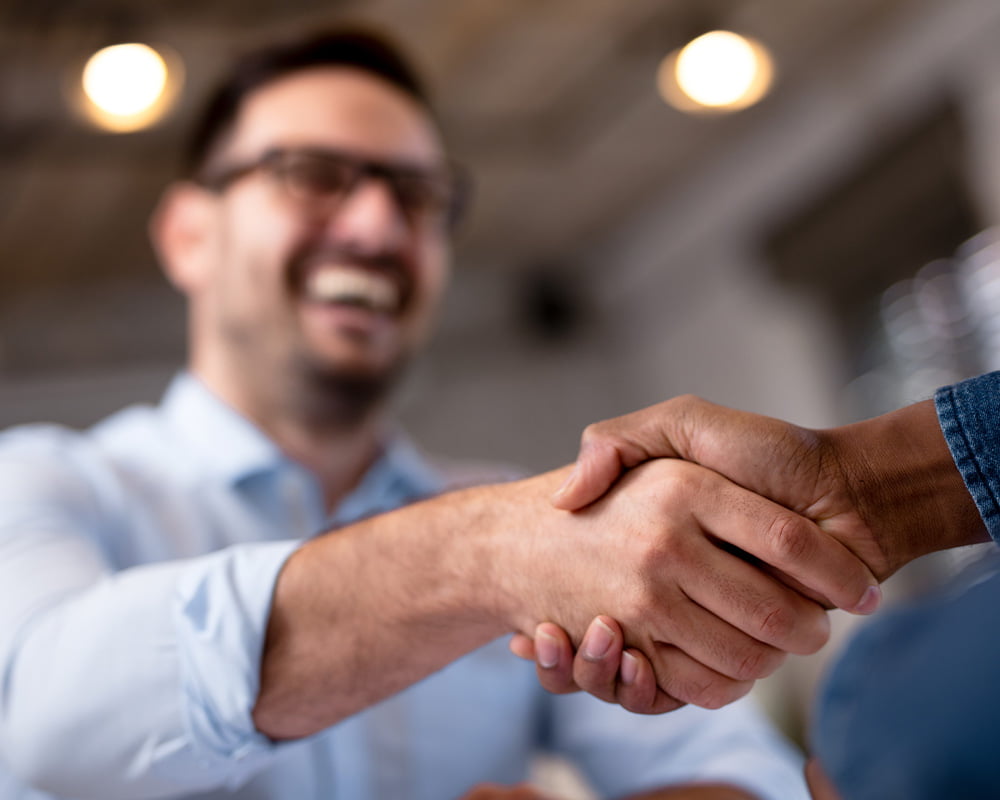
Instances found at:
x=349 y=285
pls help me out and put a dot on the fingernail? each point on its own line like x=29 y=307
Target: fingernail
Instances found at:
x=566 y=483
x=597 y=640
x=547 y=650
x=629 y=668
x=870 y=601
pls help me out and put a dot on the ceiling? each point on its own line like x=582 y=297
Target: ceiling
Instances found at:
x=550 y=102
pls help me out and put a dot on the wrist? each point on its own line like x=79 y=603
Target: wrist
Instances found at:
x=905 y=485
x=513 y=549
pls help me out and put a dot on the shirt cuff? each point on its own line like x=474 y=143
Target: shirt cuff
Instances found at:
x=221 y=610
x=969 y=414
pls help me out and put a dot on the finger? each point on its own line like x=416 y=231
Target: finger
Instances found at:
x=522 y=646
x=596 y=470
x=784 y=540
x=595 y=668
x=554 y=659
x=608 y=448
x=721 y=609
x=681 y=677
x=713 y=640
x=632 y=686
x=602 y=669
x=740 y=620
x=624 y=677
x=637 y=690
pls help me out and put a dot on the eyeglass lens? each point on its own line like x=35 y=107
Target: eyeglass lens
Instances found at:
x=324 y=179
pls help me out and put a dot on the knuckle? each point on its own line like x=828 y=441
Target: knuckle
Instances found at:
x=686 y=401
x=649 y=557
x=556 y=681
x=819 y=633
x=674 y=484
x=664 y=703
x=758 y=662
x=775 y=621
x=788 y=538
x=644 y=605
x=696 y=692
x=712 y=693
x=595 y=432
x=595 y=684
x=638 y=705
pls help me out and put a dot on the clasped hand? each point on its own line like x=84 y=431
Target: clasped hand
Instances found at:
x=767 y=528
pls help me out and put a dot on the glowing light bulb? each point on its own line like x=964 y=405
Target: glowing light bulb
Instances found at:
x=127 y=87
x=720 y=71
x=125 y=79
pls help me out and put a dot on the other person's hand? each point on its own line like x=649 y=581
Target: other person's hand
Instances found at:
x=886 y=488
x=665 y=554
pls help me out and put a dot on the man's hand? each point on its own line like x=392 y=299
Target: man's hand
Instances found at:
x=664 y=554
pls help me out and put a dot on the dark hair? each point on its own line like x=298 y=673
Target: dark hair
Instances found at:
x=352 y=47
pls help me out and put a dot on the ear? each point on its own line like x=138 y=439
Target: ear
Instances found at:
x=183 y=230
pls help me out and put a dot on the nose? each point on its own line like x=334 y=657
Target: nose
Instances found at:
x=369 y=218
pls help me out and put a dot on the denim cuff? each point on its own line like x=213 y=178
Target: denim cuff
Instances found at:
x=969 y=414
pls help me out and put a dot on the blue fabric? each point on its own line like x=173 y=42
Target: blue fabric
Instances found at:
x=911 y=709
x=969 y=412
x=137 y=563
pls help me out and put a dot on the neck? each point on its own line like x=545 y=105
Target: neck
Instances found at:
x=334 y=429
x=338 y=457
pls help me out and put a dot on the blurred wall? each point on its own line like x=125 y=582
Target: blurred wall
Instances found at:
x=681 y=299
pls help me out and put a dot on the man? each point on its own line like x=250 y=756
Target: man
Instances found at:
x=164 y=630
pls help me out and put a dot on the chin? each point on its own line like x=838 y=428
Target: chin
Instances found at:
x=350 y=369
x=342 y=394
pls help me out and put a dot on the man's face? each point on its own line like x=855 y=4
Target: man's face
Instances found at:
x=346 y=291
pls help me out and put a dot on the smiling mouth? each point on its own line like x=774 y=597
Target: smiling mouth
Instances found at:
x=354 y=287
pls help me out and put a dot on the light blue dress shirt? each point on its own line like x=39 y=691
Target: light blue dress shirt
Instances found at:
x=137 y=562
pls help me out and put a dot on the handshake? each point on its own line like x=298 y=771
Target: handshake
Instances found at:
x=716 y=540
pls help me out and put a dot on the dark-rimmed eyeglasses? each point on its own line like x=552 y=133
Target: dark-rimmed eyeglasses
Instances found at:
x=321 y=179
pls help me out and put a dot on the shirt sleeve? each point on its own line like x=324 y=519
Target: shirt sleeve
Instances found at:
x=623 y=753
x=969 y=413
x=129 y=683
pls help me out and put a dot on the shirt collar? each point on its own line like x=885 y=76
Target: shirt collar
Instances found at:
x=232 y=447
x=401 y=475
x=225 y=442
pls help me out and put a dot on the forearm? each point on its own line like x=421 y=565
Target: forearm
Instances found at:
x=361 y=613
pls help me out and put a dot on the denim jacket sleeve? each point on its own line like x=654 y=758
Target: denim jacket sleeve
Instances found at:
x=969 y=413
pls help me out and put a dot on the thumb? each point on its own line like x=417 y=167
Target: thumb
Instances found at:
x=597 y=468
